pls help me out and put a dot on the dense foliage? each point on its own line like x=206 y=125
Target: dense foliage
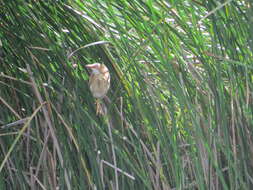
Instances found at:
x=179 y=107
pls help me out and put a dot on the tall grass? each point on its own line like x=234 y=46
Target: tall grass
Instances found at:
x=179 y=107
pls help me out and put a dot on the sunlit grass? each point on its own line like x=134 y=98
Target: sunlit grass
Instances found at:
x=179 y=107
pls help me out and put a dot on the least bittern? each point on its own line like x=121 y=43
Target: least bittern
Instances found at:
x=99 y=83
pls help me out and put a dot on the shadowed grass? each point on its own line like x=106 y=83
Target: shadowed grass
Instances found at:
x=179 y=107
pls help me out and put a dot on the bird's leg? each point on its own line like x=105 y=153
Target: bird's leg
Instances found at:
x=98 y=107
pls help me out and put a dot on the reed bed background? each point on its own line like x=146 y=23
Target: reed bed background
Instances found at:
x=179 y=107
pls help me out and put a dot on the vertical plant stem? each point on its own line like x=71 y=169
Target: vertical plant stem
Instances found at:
x=113 y=154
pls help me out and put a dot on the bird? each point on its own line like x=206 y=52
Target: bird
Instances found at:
x=99 y=84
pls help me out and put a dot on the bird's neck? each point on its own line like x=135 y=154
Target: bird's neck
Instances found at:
x=95 y=72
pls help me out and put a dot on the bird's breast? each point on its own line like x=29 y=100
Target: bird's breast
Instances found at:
x=99 y=85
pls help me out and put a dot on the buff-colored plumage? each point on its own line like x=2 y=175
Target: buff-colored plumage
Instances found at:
x=99 y=82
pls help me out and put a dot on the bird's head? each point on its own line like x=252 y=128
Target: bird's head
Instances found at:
x=97 y=68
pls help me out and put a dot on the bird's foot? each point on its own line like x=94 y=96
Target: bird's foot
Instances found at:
x=99 y=109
